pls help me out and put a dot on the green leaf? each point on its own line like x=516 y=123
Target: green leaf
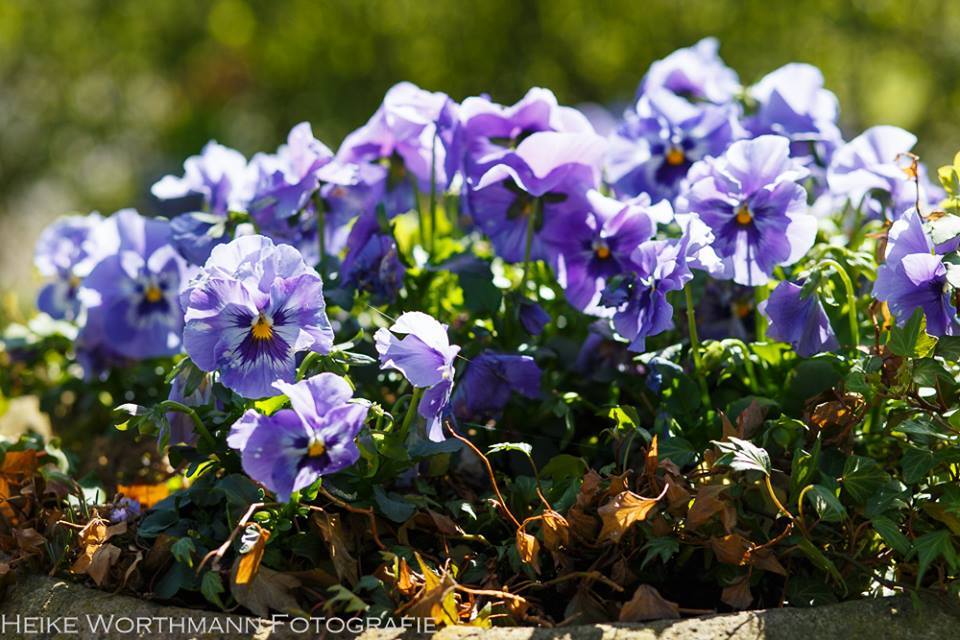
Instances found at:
x=522 y=447
x=828 y=506
x=822 y=562
x=929 y=547
x=890 y=533
x=427 y=448
x=919 y=427
x=663 y=548
x=916 y=464
x=678 y=451
x=743 y=455
x=183 y=550
x=393 y=506
x=912 y=340
x=862 y=477
x=948 y=348
x=157 y=522
x=211 y=586
x=625 y=417
x=564 y=467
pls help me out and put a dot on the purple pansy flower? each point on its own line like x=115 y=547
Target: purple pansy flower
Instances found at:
x=491 y=130
x=251 y=310
x=661 y=137
x=66 y=252
x=293 y=448
x=488 y=381
x=550 y=172
x=798 y=320
x=181 y=426
x=750 y=200
x=872 y=164
x=219 y=174
x=131 y=296
x=585 y=262
x=124 y=509
x=532 y=316
x=792 y=102
x=639 y=296
x=413 y=132
x=695 y=72
x=372 y=263
x=913 y=276
x=425 y=357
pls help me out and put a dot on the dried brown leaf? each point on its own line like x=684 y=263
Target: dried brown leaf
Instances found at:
x=556 y=531
x=250 y=561
x=528 y=547
x=648 y=604
x=731 y=549
x=706 y=504
x=738 y=595
x=332 y=530
x=268 y=591
x=620 y=513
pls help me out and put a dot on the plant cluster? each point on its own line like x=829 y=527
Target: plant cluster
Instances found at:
x=487 y=366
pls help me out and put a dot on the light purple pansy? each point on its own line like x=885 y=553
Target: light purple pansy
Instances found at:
x=131 y=296
x=425 y=357
x=756 y=210
x=491 y=130
x=798 y=320
x=584 y=262
x=252 y=309
x=65 y=253
x=661 y=137
x=914 y=276
x=639 y=296
x=873 y=164
x=219 y=174
x=541 y=185
x=293 y=448
x=695 y=72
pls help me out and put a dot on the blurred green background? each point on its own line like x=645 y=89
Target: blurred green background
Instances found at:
x=99 y=98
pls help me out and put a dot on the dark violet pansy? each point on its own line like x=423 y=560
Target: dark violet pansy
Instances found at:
x=584 y=262
x=754 y=207
x=491 y=130
x=293 y=448
x=542 y=186
x=798 y=320
x=413 y=133
x=871 y=169
x=913 y=276
x=131 y=296
x=425 y=357
x=639 y=296
x=792 y=101
x=252 y=309
x=372 y=263
x=488 y=382
x=532 y=316
x=696 y=73
x=661 y=137
x=65 y=253
x=219 y=174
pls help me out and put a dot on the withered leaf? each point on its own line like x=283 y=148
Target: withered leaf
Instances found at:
x=250 y=561
x=528 y=547
x=731 y=548
x=405 y=581
x=621 y=512
x=706 y=504
x=738 y=595
x=766 y=560
x=652 y=459
x=102 y=561
x=437 y=599
x=556 y=530
x=269 y=590
x=332 y=530
x=648 y=604
x=29 y=540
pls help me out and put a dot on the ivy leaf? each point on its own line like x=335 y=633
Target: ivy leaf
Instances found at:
x=890 y=532
x=828 y=506
x=663 y=548
x=862 y=477
x=183 y=550
x=211 y=586
x=743 y=455
x=936 y=544
x=393 y=506
x=522 y=447
x=822 y=562
x=916 y=463
x=912 y=340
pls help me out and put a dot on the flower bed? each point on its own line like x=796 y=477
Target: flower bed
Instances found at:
x=486 y=366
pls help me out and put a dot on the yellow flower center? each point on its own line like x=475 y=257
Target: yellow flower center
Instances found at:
x=153 y=294
x=602 y=251
x=262 y=329
x=675 y=156
x=316 y=448
x=743 y=215
x=75 y=282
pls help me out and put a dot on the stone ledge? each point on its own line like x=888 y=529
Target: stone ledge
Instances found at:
x=41 y=597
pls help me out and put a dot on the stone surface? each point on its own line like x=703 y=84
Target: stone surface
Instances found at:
x=34 y=603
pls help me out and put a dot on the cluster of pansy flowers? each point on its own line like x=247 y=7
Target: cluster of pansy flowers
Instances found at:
x=702 y=174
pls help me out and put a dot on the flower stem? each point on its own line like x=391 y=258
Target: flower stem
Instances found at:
x=776 y=500
x=173 y=405
x=851 y=298
x=695 y=347
x=760 y=323
x=411 y=411
x=531 y=223
x=308 y=360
